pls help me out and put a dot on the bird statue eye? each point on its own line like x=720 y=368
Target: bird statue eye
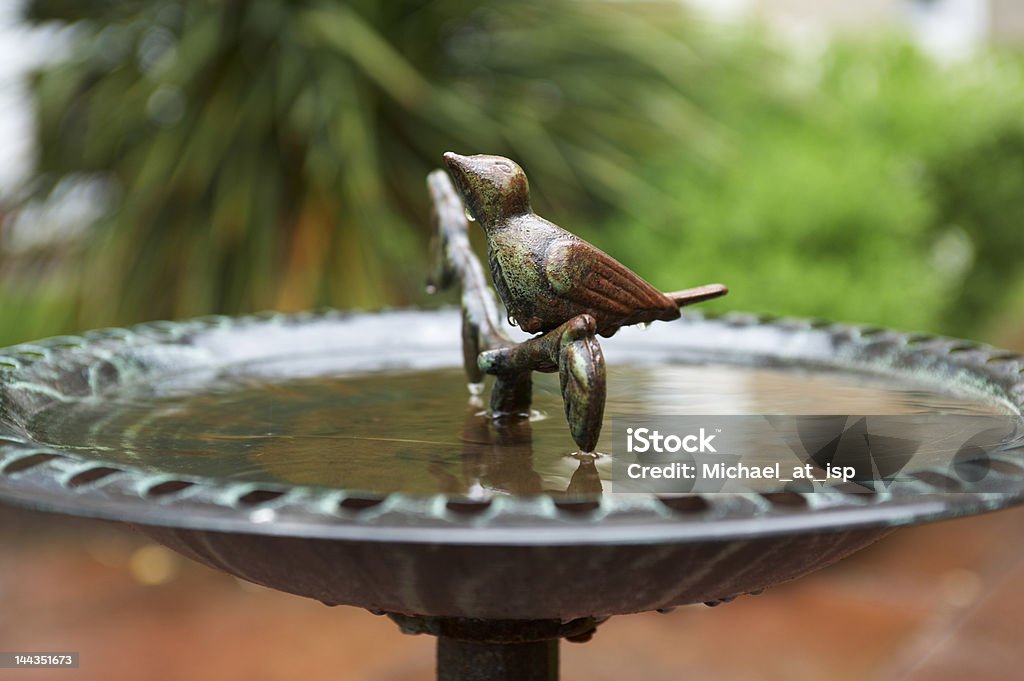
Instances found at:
x=504 y=167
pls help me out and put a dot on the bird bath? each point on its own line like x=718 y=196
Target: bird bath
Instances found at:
x=335 y=456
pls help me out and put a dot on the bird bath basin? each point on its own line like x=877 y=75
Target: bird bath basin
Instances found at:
x=336 y=457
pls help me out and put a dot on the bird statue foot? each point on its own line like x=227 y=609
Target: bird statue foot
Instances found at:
x=573 y=351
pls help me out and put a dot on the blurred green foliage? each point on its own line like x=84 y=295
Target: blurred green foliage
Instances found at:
x=876 y=187
x=272 y=155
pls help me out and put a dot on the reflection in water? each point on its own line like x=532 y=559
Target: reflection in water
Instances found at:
x=413 y=432
x=586 y=481
x=497 y=456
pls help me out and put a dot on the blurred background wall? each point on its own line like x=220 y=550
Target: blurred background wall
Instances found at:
x=858 y=162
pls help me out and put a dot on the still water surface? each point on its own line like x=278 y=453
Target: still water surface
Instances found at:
x=418 y=432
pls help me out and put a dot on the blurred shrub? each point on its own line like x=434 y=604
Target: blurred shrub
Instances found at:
x=876 y=187
x=979 y=190
x=272 y=154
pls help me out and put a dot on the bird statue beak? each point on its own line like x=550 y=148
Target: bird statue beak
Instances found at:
x=460 y=169
x=453 y=160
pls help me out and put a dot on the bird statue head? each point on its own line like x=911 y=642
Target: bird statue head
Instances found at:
x=493 y=187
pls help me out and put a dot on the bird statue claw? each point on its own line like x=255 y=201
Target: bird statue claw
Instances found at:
x=573 y=351
x=582 y=376
x=551 y=282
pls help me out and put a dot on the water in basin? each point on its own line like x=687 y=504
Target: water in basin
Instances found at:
x=415 y=432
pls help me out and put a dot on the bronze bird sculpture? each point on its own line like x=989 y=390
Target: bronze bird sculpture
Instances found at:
x=546 y=275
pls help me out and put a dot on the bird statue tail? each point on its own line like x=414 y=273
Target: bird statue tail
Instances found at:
x=697 y=295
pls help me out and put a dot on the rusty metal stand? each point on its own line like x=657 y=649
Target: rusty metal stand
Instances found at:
x=465 y=661
x=495 y=650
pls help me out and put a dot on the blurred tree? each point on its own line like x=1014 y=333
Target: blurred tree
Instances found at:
x=273 y=153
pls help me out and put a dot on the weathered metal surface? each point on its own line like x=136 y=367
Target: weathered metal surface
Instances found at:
x=514 y=582
x=550 y=281
x=473 y=630
x=465 y=661
x=498 y=650
x=546 y=275
x=510 y=557
x=570 y=348
x=35 y=469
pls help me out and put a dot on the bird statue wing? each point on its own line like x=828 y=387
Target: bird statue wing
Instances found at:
x=588 y=276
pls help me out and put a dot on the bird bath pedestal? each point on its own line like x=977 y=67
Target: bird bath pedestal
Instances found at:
x=327 y=455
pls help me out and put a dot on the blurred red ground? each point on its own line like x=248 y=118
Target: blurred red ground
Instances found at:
x=926 y=604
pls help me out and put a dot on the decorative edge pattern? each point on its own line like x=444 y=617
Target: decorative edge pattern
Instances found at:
x=99 y=361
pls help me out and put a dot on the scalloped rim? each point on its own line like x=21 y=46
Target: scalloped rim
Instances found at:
x=59 y=481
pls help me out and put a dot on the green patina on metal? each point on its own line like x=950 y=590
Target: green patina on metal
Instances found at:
x=546 y=275
x=550 y=281
x=111 y=363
